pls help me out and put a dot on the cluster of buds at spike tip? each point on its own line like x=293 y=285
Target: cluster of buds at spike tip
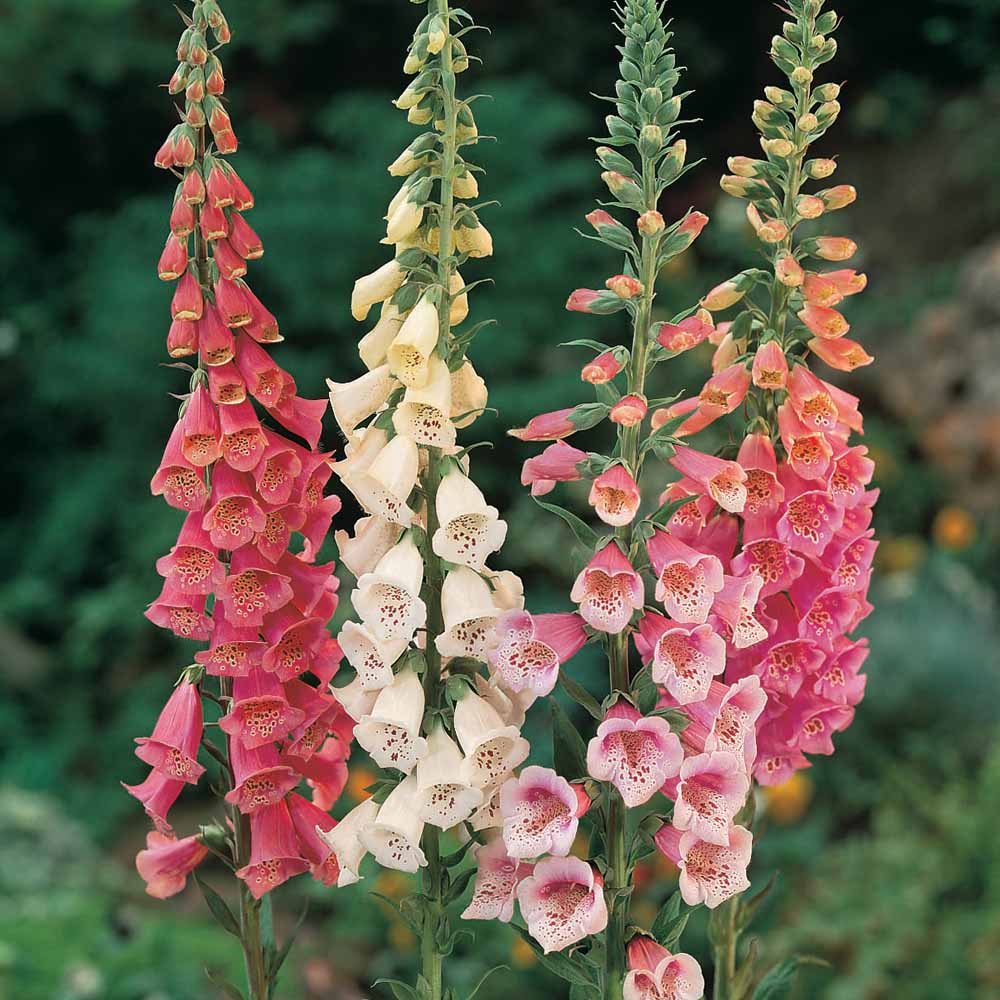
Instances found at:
x=445 y=659
x=243 y=576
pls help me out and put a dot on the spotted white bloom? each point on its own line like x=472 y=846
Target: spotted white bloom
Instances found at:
x=391 y=731
x=470 y=615
x=354 y=402
x=410 y=351
x=388 y=598
x=371 y=656
x=470 y=530
x=448 y=798
x=492 y=748
x=425 y=412
x=394 y=836
x=344 y=840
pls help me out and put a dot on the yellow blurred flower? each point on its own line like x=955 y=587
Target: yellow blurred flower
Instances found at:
x=393 y=884
x=358 y=780
x=954 y=528
x=897 y=555
x=787 y=802
x=521 y=954
x=401 y=937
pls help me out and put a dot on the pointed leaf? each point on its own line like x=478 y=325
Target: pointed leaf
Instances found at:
x=585 y=535
x=401 y=991
x=667 y=510
x=749 y=909
x=781 y=977
x=219 y=907
x=559 y=964
x=482 y=979
x=569 y=753
x=581 y=696
x=227 y=988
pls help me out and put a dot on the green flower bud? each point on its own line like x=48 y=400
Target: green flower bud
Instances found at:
x=650 y=140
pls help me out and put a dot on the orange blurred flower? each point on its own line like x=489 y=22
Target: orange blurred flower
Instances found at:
x=954 y=528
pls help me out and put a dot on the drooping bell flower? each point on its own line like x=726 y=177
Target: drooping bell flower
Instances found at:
x=736 y=605
x=497 y=878
x=608 y=590
x=722 y=393
x=808 y=522
x=178 y=480
x=540 y=812
x=712 y=790
x=710 y=873
x=470 y=616
x=345 y=843
x=266 y=381
x=686 y=580
x=470 y=530
x=201 y=443
x=559 y=463
x=411 y=350
x=773 y=561
x=809 y=452
x=725 y=482
x=448 y=798
x=531 y=648
x=354 y=402
x=683 y=658
x=157 y=794
x=173 y=747
x=823 y=322
x=842 y=354
x=391 y=731
x=260 y=778
x=166 y=863
x=615 y=496
x=629 y=411
x=383 y=486
x=636 y=754
x=325 y=771
x=234 y=517
x=809 y=723
x=852 y=472
x=682 y=336
x=183 y=614
x=492 y=748
x=279 y=523
x=603 y=368
x=764 y=493
x=373 y=537
x=243 y=442
x=322 y=713
x=424 y=414
x=310 y=822
x=253 y=589
x=562 y=902
x=371 y=657
x=260 y=712
x=192 y=565
x=656 y=974
x=388 y=598
x=275 y=855
x=393 y=838
x=727 y=719
x=233 y=652
x=770 y=367
x=546 y=427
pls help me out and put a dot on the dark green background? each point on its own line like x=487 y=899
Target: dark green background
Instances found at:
x=892 y=872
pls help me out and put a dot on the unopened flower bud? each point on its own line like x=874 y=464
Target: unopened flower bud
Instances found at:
x=827 y=92
x=651 y=223
x=788 y=271
x=801 y=76
x=243 y=239
x=838 y=197
x=828 y=112
x=197 y=53
x=599 y=218
x=195 y=89
x=193 y=187
x=772 y=231
x=766 y=111
x=834 y=248
x=437 y=33
x=466 y=185
x=241 y=193
x=215 y=81
x=650 y=140
x=164 y=158
x=820 y=169
x=194 y=115
x=213 y=222
x=673 y=162
x=724 y=295
x=650 y=100
x=628 y=411
x=184 y=151
x=808 y=206
x=188 y=301
x=219 y=186
x=232 y=303
x=184 y=45
x=178 y=80
x=604 y=367
x=625 y=190
x=459 y=56
x=778 y=148
x=623 y=286
x=807 y=123
x=743 y=166
x=230 y=264
x=780 y=98
x=173 y=260
x=214 y=836
x=182 y=218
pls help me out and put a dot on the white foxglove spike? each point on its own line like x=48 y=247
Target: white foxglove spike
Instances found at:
x=394 y=837
x=468 y=395
x=374 y=345
x=391 y=731
x=388 y=598
x=385 y=486
x=411 y=350
x=425 y=412
x=448 y=799
x=354 y=402
x=345 y=842
x=470 y=616
x=470 y=529
x=492 y=748
x=370 y=656
x=372 y=538
x=361 y=450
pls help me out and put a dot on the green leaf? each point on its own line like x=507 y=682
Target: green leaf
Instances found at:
x=588 y=415
x=400 y=990
x=671 y=921
x=594 y=345
x=460 y=884
x=558 y=963
x=581 y=696
x=482 y=979
x=219 y=907
x=667 y=510
x=645 y=692
x=279 y=957
x=585 y=535
x=227 y=988
x=749 y=909
x=569 y=753
x=677 y=719
x=781 y=977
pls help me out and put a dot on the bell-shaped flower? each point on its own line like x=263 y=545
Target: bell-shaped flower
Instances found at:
x=686 y=580
x=764 y=493
x=179 y=481
x=712 y=790
x=727 y=719
x=492 y=748
x=311 y=824
x=470 y=530
x=724 y=482
x=468 y=393
x=157 y=794
x=192 y=564
x=374 y=345
x=391 y=731
x=373 y=537
x=470 y=616
x=447 y=798
x=562 y=902
x=842 y=354
x=376 y=287
x=710 y=873
x=736 y=605
x=234 y=517
x=344 y=841
x=355 y=700
x=531 y=649
x=384 y=487
x=508 y=589
x=773 y=561
x=294 y=643
x=410 y=352
x=424 y=415
x=259 y=712
x=551 y=426
x=809 y=452
x=770 y=367
x=275 y=855
x=615 y=496
x=173 y=747
x=201 y=441
x=809 y=521
x=183 y=614
x=497 y=878
x=683 y=658
x=608 y=590
x=656 y=974
x=253 y=589
x=636 y=754
x=166 y=863
x=354 y=402
x=487 y=816
x=388 y=598
x=243 y=441
x=559 y=463
x=393 y=838
x=233 y=652
x=540 y=812
x=260 y=779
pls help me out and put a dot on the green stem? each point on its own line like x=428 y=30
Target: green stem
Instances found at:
x=432 y=878
x=724 y=939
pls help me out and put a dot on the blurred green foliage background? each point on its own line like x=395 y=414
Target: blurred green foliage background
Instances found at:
x=888 y=851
